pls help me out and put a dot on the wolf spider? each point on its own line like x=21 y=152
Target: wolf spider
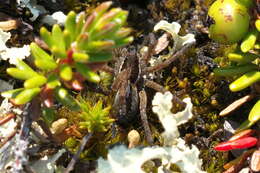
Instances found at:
x=131 y=77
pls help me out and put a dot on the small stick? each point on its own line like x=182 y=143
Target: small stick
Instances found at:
x=8 y=138
x=21 y=145
x=239 y=165
x=143 y=104
x=46 y=129
x=76 y=156
x=26 y=124
x=7 y=118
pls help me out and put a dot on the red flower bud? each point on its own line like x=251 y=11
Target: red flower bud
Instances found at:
x=241 y=143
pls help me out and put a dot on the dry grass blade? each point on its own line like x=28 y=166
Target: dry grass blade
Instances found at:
x=9 y=25
x=162 y=43
x=236 y=104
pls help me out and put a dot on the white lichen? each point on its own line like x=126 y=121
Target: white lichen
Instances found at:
x=162 y=104
x=7 y=128
x=120 y=159
x=56 y=18
x=174 y=28
x=14 y=53
x=47 y=163
x=178 y=41
x=35 y=9
x=7 y=107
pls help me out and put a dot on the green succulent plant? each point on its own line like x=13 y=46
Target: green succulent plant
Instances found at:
x=95 y=117
x=245 y=66
x=74 y=54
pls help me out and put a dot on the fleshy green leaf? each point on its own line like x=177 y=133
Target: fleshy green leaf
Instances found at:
x=34 y=82
x=87 y=73
x=26 y=95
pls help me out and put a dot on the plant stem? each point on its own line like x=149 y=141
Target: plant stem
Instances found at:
x=76 y=156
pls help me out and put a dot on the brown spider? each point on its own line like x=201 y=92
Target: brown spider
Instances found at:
x=131 y=77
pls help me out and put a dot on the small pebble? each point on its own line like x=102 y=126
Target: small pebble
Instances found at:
x=255 y=161
x=133 y=138
x=59 y=125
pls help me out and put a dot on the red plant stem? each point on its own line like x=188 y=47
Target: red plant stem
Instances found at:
x=47 y=96
x=236 y=168
x=7 y=118
x=69 y=59
x=8 y=138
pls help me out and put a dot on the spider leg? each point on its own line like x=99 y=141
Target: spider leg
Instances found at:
x=142 y=106
x=159 y=88
x=107 y=69
x=169 y=60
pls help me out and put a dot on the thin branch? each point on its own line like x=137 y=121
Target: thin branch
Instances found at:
x=46 y=129
x=76 y=156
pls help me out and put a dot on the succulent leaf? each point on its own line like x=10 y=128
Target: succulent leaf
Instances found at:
x=34 y=82
x=53 y=81
x=66 y=72
x=66 y=99
x=11 y=93
x=87 y=73
x=71 y=50
x=46 y=36
x=39 y=53
x=70 y=24
x=100 y=57
x=26 y=95
x=254 y=114
x=45 y=64
x=19 y=74
x=57 y=39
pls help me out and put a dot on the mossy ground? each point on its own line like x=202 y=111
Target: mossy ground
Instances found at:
x=189 y=76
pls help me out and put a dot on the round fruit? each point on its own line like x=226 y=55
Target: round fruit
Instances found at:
x=230 y=21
